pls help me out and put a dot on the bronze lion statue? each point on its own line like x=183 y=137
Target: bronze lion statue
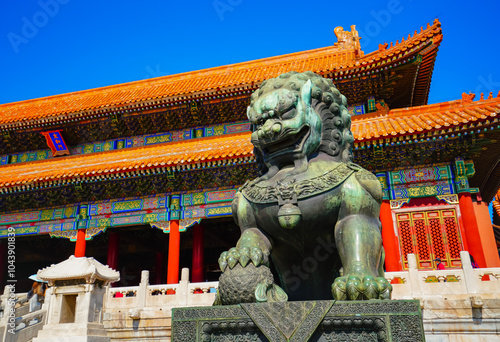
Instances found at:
x=310 y=225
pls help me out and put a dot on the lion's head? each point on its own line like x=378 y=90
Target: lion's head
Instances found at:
x=296 y=115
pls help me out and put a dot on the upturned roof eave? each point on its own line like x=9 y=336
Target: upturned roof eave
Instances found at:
x=73 y=103
x=210 y=151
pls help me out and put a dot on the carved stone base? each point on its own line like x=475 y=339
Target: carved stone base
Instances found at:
x=378 y=320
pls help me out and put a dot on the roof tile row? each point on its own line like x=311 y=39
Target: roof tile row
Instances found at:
x=423 y=118
x=247 y=73
x=396 y=122
x=163 y=155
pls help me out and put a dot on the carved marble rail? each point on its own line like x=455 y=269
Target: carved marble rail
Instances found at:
x=161 y=296
x=25 y=325
x=459 y=283
x=451 y=299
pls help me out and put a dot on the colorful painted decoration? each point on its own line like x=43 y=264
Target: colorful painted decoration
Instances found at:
x=56 y=143
x=356 y=109
x=184 y=224
x=430 y=234
x=72 y=234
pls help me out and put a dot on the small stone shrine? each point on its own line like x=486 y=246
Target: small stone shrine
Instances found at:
x=76 y=303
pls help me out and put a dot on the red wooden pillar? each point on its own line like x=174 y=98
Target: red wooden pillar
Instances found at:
x=80 y=243
x=113 y=246
x=159 y=266
x=174 y=243
x=389 y=239
x=471 y=228
x=198 y=267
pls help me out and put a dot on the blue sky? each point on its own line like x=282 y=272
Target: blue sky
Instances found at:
x=50 y=47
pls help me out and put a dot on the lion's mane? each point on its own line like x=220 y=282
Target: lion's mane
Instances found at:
x=329 y=104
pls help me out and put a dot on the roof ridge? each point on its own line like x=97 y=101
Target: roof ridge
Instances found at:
x=397 y=45
x=180 y=86
x=194 y=73
x=189 y=74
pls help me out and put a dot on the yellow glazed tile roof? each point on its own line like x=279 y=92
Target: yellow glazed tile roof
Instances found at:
x=414 y=120
x=128 y=160
x=213 y=149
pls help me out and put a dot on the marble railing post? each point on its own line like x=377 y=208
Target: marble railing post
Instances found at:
x=182 y=290
x=9 y=293
x=142 y=292
x=46 y=301
x=470 y=281
x=414 y=276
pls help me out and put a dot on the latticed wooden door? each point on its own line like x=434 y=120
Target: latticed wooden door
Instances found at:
x=430 y=234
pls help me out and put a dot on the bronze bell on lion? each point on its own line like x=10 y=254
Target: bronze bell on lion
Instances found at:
x=289 y=215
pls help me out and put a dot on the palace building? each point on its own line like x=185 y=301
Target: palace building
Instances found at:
x=141 y=175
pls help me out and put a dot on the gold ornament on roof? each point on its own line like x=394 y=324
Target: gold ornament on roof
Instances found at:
x=347 y=40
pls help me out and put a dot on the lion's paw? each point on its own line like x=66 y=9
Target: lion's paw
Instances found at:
x=242 y=256
x=270 y=292
x=248 y=284
x=359 y=287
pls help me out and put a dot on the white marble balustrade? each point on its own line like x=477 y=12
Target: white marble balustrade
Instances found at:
x=462 y=283
x=162 y=296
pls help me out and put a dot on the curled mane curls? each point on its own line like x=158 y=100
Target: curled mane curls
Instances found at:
x=327 y=102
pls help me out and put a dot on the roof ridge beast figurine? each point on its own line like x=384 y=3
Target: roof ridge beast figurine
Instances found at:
x=312 y=211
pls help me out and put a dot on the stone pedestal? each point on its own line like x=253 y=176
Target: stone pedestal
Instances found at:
x=76 y=304
x=378 y=320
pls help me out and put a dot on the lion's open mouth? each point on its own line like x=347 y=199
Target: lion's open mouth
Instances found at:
x=291 y=142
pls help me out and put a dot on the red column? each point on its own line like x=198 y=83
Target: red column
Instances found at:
x=488 y=243
x=471 y=228
x=80 y=243
x=198 y=266
x=389 y=239
x=174 y=243
x=160 y=256
x=113 y=246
